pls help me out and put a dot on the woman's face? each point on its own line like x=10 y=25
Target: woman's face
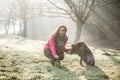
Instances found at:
x=62 y=31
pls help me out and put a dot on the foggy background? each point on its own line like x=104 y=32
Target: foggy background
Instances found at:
x=36 y=19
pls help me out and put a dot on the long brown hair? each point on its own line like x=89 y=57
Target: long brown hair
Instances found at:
x=55 y=35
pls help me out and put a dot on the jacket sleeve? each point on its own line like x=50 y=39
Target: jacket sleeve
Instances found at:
x=52 y=46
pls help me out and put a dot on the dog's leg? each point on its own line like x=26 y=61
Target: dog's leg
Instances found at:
x=81 y=60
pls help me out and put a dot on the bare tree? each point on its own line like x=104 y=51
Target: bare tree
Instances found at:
x=23 y=7
x=10 y=16
x=79 y=11
x=25 y=11
x=7 y=18
x=17 y=13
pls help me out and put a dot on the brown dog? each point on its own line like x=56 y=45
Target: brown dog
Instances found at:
x=84 y=52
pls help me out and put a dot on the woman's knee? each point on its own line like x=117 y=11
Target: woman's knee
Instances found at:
x=48 y=54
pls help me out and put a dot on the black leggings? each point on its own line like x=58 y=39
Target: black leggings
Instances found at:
x=49 y=55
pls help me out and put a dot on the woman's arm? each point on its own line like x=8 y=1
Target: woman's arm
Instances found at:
x=65 y=44
x=52 y=46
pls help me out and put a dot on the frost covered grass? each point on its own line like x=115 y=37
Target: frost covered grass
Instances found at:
x=23 y=59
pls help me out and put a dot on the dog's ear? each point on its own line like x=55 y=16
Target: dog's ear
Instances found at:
x=79 y=43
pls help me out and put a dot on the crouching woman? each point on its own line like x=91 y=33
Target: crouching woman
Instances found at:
x=55 y=47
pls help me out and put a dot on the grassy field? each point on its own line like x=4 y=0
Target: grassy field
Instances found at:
x=23 y=59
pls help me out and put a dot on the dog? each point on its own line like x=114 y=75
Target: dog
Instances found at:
x=84 y=52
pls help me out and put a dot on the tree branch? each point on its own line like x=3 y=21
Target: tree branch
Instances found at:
x=88 y=13
x=63 y=10
x=105 y=4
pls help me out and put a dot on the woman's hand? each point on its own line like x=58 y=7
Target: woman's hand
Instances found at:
x=56 y=56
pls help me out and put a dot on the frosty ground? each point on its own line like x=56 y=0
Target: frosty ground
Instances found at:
x=23 y=59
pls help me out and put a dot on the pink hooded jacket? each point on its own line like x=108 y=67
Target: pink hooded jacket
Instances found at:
x=51 y=45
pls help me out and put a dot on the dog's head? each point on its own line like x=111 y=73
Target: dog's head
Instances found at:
x=78 y=46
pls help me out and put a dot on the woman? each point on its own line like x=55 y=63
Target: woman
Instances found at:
x=55 y=47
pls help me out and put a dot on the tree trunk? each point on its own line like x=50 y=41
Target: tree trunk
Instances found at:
x=14 y=29
x=25 y=28
x=7 y=27
x=21 y=29
x=78 y=31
